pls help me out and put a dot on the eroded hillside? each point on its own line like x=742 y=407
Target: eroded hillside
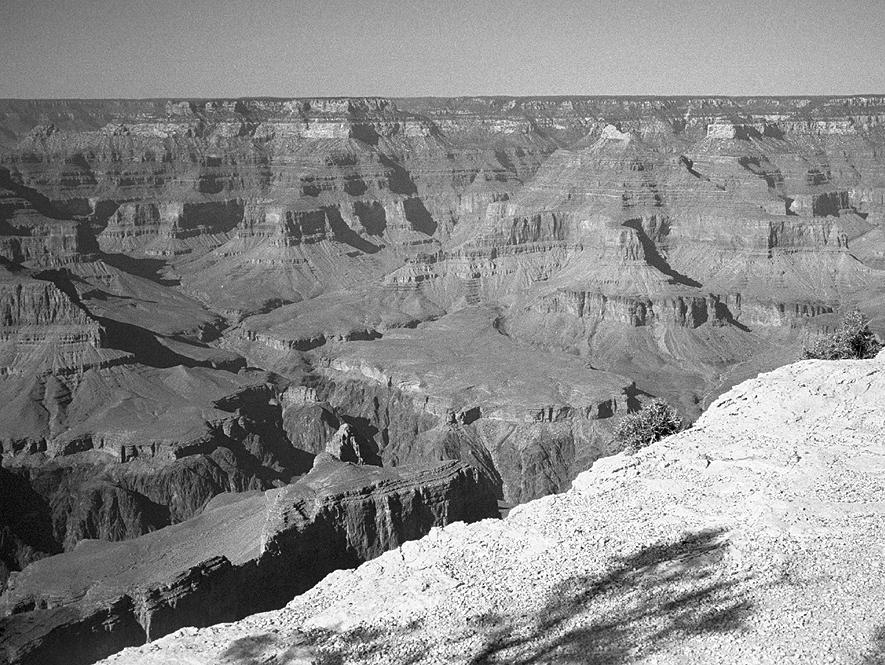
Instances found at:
x=753 y=537
x=196 y=295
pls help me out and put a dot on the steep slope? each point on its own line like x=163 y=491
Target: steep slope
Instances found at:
x=671 y=258
x=753 y=537
x=459 y=388
x=289 y=197
x=244 y=553
x=97 y=445
x=113 y=422
x=115 y=453
x=453 y=388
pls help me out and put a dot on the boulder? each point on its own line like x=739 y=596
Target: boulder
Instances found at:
x=344 y=446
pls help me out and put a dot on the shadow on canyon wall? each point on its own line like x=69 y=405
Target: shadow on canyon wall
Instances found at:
x=654 y=258
x=148 y=268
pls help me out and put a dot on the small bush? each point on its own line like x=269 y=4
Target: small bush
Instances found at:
x=653 y=421
x=852 y=339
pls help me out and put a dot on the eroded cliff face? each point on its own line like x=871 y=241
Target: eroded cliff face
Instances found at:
x=116 y=453
x=243 y=554
x=259 y=189
x=697 y=250
x=530 y=420
x=195 y=295
x=762 y=521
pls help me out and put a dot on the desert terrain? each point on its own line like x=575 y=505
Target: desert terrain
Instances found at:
x=280 y=337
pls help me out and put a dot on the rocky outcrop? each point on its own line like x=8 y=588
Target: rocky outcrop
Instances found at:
x=711 y=245
x=754 y=536
x=344 y=446
x=458 y=387
x=31 y=231
x=281 y=192
x=125 y=413
x=330 y=319
x=530 y=421
x=43 y=330
x=495 y=280
x=243 y=554
x=105 y=446
x=116 y=453
x=25 y=526
x=292 y=198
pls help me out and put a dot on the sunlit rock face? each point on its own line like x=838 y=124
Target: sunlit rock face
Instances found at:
x=458 y=387
x=650 y=245
x=197 y=295
x=267 y=183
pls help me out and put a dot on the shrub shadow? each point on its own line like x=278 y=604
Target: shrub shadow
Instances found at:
x=662 y=592
x=876 y=654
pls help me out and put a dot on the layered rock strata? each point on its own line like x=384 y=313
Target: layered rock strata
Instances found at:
x=682 y=244
x=283 y=192
x=755 y=536
x=43 y=330
x=459 y=388
x=115 y=453
x=695 y=250
x=104 y=444
x=243 y=554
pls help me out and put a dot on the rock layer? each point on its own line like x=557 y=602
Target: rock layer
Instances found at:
x=697 y=248
x=459 y=388
x=755 y=536
x=155 y=248
x=244 y=553
x=118 y=452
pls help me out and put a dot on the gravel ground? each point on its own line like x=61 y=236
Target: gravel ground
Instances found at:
x=757 y=536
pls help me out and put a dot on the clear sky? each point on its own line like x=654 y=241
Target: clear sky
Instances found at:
x=235 y=48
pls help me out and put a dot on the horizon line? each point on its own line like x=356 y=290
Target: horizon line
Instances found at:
x=430 y=97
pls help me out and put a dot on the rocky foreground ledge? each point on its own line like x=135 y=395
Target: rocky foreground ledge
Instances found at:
x=755 y=537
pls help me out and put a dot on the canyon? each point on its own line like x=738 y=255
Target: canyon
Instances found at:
x=204 y=299
x=753 y=537
x=244 y=553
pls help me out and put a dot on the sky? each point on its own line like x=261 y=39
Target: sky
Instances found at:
x=404 y=48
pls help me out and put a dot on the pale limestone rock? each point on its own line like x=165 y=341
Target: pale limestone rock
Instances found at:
x=344 y=446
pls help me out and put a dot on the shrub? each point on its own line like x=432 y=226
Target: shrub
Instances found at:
x=852 y=339
x=653 y=421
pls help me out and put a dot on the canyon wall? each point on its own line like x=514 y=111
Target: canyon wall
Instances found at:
x=753 y=537
x=244 y=553
x=197 y=294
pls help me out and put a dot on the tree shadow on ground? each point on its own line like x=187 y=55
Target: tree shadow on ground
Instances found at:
x=271 y=649
x=640 y=604
x=876 y=654
x=661 y=592
x=249 y=650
